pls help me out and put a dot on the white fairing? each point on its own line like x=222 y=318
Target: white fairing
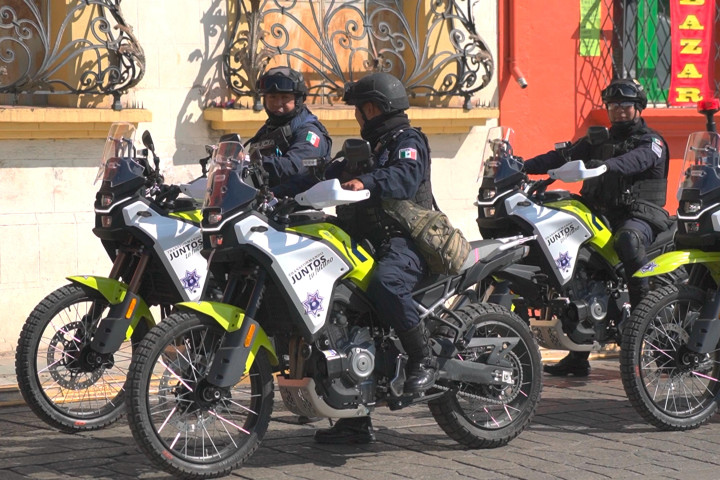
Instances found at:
x=559 y=234
x=177 y=244
x=308 y=267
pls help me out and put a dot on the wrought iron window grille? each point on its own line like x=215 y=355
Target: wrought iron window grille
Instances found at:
x=34 y=56
x=376 y=34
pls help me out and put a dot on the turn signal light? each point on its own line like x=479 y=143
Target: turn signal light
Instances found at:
x=106 y=221
x=216 y=241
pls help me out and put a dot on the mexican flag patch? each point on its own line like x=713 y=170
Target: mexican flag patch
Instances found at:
x=313 y=139
x=656 y=146
x=410 y=153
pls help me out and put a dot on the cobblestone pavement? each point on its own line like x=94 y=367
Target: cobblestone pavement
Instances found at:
x=584 y=429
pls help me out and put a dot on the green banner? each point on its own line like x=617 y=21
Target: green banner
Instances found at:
x=589 y=28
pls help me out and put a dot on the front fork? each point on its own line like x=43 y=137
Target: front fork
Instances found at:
x=113 y=330
x=126 y=307
x=237 y=346
x=705 y=332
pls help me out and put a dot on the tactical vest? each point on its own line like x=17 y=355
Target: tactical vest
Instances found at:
x=277 y=141
x=367 y=219
x=615 y=191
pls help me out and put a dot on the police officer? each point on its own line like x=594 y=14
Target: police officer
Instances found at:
x=401 y=170
x=290 y=134
x=630 y=194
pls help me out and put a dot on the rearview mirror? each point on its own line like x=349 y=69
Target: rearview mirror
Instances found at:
x=597 y=135
x=148 y=141
x=356 y=152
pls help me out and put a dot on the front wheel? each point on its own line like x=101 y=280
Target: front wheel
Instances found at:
x=488 y=416
x=669 y=386
x=62 y=381
x=185 y=425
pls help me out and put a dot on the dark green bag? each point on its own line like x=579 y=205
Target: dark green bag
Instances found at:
x=443 y=246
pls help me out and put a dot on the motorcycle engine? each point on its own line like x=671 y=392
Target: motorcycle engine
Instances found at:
x=348 y=369
x=588 y=311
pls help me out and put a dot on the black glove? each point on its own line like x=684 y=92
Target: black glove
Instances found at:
x=593 y=163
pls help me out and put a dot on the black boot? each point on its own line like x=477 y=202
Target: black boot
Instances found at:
x=347 y=430
x=574 y=363
x=421 y=367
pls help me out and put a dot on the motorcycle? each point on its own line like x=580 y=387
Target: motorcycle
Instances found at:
x=75 y=346
x=570 y=287
x=295 y=304
x=669 y=358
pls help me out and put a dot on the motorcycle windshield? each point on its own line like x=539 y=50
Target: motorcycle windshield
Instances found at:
x=701 y=165
x=226 y=189
x=498 y=162
x=118 y=164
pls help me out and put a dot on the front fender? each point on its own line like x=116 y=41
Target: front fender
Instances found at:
x=114 y=292
x=670 y=261
x=231 y=319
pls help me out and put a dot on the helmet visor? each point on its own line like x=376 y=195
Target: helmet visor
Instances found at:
x=276 y=83
x=621 y=91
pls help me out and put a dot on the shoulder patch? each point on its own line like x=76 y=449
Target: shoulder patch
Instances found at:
x=410 y=153
x=313 y=139
x=657 y=146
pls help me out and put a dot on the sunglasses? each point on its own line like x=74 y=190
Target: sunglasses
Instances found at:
x=620 y=105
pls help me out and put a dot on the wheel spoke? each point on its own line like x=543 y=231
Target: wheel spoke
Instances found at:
x=61 y=386
x=671 y=387
x=195 y=422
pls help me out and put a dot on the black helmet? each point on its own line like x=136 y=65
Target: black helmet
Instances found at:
x=383 y=89
x=625 y=90
x=282 y=79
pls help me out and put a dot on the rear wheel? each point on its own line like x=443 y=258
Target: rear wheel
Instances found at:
x=60 y=378
x=186 y=426
x=487 y=416
x=670 y=387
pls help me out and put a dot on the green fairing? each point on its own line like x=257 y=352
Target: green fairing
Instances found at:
x=230 y=318
x=114 y=292
x=670 y=261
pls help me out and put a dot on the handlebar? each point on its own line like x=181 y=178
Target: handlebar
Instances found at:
x=538 y=188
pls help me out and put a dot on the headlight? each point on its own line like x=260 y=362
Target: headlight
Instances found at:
x=106 y=200
x=692 y=207
x=214 y=218
x=488 y=193
x=489 y=212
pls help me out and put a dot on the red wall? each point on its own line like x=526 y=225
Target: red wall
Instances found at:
x=562 y=97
